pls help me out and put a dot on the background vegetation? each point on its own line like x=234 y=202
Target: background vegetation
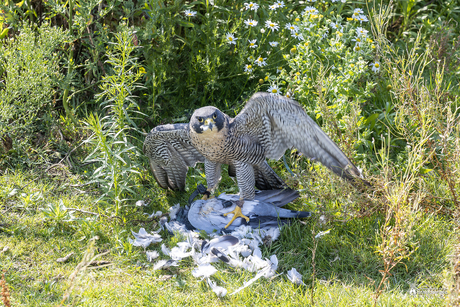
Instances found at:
x=82 y=82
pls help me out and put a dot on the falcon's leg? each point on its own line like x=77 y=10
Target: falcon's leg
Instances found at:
x=246 y=182
x=212 y=171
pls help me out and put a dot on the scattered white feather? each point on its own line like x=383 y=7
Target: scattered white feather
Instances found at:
x=166 y=251
x=322 y=233
x=204 y=270
x=173 y=211
x=163 y=264
x=151 y=255
x=143 y=238
x=219 y=291
x=154 y=214
x=178 y=253
x=295 y=277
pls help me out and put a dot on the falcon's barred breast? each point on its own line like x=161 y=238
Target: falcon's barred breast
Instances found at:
x=265 y=128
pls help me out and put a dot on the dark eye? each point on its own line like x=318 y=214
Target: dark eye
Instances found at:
x=200 y=119
x=214 y=116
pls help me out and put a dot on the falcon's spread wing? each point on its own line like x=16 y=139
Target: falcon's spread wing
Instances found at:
x=171 y=153
x=278 y=123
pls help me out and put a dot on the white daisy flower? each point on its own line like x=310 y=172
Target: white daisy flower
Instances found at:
x=337 y=26
x=251 y=59
x=298 y=36
x=311 y=1
x=288 y=95
x=248 y=68
x=357 y=48
x=375 y=66
x=251 y=23
x=231 y=39
x=280 y=3
x=343 y=1
x=310 y=10
x=260 y=61
x=190 y=13
x=279 y=69
x=357 y=12
x=251 y=6
x=292 y=28
x=262 y=30
x=362 y=18
x=358 y=41
x=273 y=7
x=273 y=44
x=273 y=89
x=361 y=31
x=252 y=43
x=272 y=25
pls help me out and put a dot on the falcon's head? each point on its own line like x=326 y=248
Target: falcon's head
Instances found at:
x=208 y=119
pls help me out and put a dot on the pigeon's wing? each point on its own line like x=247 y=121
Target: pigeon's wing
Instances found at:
x=170 y=154
x=278 y=123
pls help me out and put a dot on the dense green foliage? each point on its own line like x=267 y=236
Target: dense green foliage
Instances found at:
x=81 y=82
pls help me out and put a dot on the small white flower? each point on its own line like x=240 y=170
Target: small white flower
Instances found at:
x=292 y=28
x=251 y=58
x=357 y=48
x=311 y=1
x=361 y=31
x=357 y=12
x=375 y=66
x=273 y=44
x=358 y=41
x=280 y=3
x=337 y=26
x=251 y=6
x=248 y=68
x=288 y=95
x=260 y=61
x=251 y=23
x=298 y=36
x=252 y=43
x=273 y=89
x=279 y=69
x=362 y=18
x=190 y=13
x=262 y=30
x=272 y=25
x=273 y=7
x=310 y=10
x=231 y=39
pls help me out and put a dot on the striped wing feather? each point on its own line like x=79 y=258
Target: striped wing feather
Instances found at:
x=170 y=154
x=279 y=123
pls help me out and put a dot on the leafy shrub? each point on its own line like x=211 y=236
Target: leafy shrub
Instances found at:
x=29 y=83
x=113 y=148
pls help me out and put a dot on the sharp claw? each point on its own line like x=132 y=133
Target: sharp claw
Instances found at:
x=236 y=213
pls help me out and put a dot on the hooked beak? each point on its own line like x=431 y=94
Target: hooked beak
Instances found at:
x=208 y=123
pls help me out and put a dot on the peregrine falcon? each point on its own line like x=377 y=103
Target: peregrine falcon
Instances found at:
x=267 y=126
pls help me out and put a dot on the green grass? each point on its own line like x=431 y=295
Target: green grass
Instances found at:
x=347 y=267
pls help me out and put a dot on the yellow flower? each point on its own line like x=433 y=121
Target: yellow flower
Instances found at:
x=349 y=19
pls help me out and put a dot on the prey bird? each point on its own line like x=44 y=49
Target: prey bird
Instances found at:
x=267 y=126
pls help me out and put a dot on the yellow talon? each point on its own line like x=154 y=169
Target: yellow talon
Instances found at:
x=237 y=213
